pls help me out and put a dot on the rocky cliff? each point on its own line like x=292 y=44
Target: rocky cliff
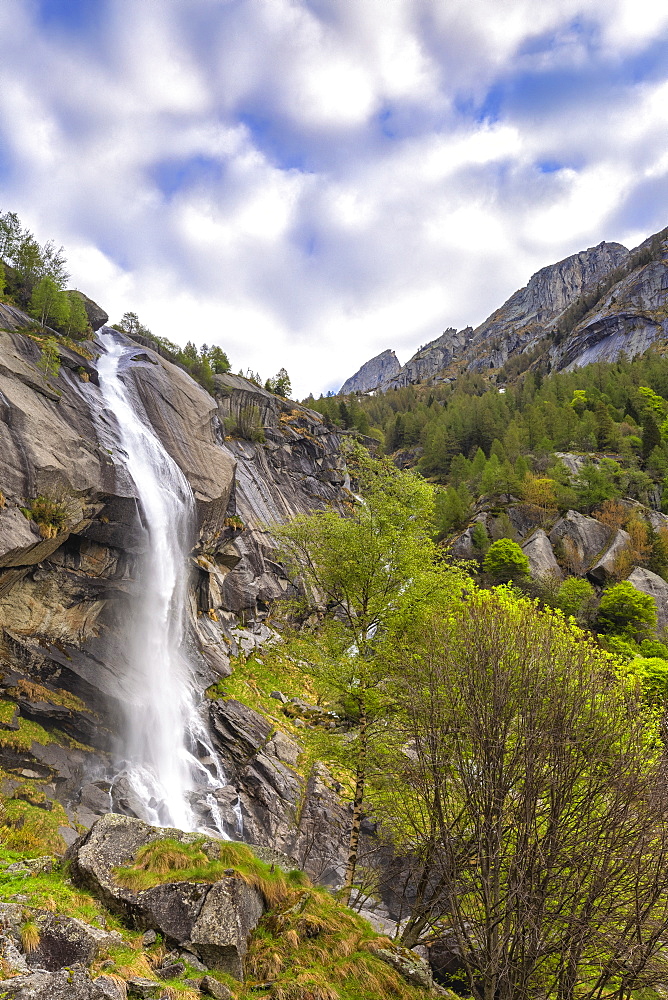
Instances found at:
x=373 y=373
x=589 y=307
x=69 y=536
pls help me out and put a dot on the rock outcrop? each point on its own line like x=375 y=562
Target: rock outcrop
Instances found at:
x=252 y=459
x=67 y=984
x=373 y=373
x=589 y=307
x=211 y=920
x=542 y=561
x=528 y=315
x=582 y=539
x=432 y=359
x=654 y=585
x=288 y=462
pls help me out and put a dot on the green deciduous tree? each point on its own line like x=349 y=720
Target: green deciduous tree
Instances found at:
x=364 y=578
x=505 y=561
x=77 y=320
x=218 y=360
x=576 y=599
x=626 y=611
x=48 y=303
x=533 y=793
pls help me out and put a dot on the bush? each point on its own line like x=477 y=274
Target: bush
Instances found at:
x=505 y=561
x=576 y=598
x=480 y=538
x=626 y=611
x=652 y=672
x=49 y=362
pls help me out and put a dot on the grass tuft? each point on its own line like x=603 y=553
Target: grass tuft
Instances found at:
x=168 y=855
x=30 y=936
x=168 y=860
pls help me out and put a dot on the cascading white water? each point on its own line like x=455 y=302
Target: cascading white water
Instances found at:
x=163 y=724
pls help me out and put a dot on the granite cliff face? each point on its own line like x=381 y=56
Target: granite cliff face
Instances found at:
x=589 y=307
x=372 y=374
x=65 y=580
x=532 y=311
x=432 y=359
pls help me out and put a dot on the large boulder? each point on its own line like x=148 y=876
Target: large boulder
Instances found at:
x=605 y=567
x=583 y=539
x=212 y=920
x=542 y=561
x=66 y=941
x=67 y=984
x=654 y=585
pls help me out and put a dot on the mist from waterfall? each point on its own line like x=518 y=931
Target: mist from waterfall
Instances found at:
x=163 y=725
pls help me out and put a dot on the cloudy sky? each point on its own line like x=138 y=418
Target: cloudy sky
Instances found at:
x=309 y=182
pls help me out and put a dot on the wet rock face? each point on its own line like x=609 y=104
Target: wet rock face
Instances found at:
x=303 y=817
x=373 y=373
x=66 y=593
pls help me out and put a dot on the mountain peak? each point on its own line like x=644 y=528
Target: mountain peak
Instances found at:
x=374 y=372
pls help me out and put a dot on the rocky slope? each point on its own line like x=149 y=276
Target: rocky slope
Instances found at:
x=589 y=307
x=65 y=580
x=373 y=373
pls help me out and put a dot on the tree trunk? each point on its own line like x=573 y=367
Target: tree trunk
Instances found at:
x=360 y=778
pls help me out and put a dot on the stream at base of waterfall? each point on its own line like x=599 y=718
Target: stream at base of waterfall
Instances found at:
x=169 y=763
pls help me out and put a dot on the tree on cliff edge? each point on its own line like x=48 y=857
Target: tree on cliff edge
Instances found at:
x=363 y=574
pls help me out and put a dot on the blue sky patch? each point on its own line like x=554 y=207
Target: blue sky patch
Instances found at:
x=73 y=16
x=172 y=176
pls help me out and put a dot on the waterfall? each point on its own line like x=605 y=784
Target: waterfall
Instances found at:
x=164 y=729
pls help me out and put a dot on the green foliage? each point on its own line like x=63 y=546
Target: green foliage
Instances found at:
x=505 y=561
x=201 y=365
x=367 y=578
x=479 y=538
x=626 y=611
x=53 y=510
x=247 y=423
x=49 y=304
x=534 y=781
x=2 y=278
x=77 y=324
x=469 y=433
x=280 y=384
x=49 y=362
x=652 y=672
x=453 y=508
x=31 y=262
x=217 y=359
x=576 y=598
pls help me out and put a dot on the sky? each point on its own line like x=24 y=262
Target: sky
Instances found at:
x=309 y=182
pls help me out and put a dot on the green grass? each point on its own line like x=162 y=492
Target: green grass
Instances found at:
x=167 y=860
x=252 y=682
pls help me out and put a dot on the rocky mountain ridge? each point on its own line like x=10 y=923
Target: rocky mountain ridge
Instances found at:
x=590 y=306
x=373 y=373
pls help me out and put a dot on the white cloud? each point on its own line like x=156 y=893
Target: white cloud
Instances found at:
x=338 y=194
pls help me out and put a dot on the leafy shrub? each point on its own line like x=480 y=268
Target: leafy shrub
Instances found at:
x=576 y=598
x=653 y=675
x=505 y=561
x=626 y=611
x=49 y=362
